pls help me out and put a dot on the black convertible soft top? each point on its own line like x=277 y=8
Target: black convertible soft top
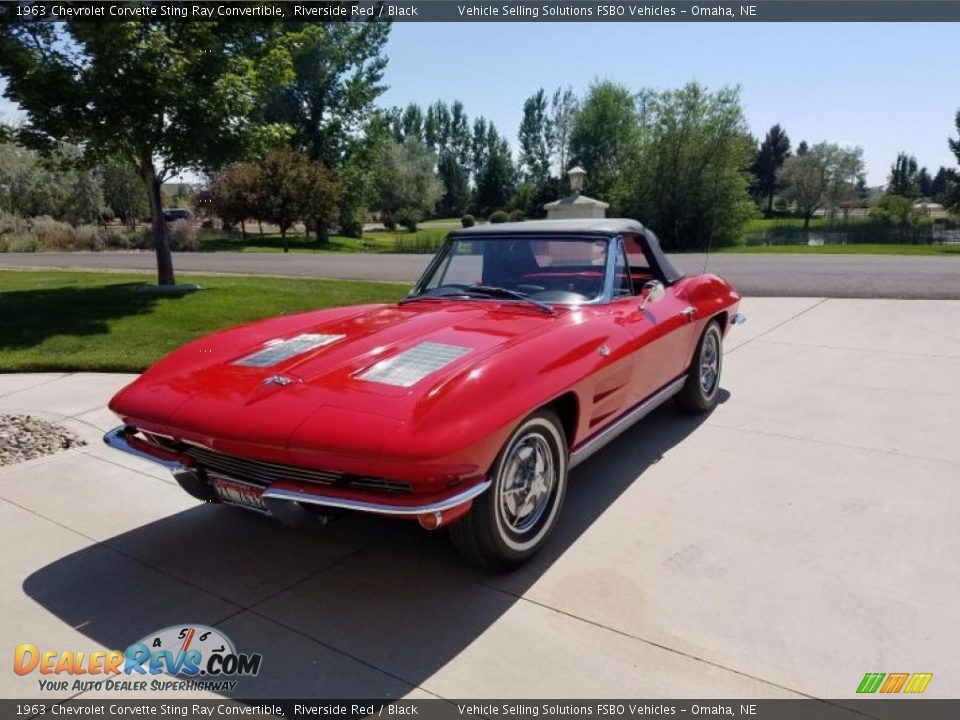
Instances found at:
x=661 y=266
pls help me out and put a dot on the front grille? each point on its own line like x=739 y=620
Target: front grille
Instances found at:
x=369 y=483
x=264 y=473
x=261 y=473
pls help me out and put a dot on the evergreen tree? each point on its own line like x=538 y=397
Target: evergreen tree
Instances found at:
x=903 y=179
x=774 y=150
x=535 y=139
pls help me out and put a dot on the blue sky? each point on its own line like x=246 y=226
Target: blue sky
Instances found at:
x=886 y=87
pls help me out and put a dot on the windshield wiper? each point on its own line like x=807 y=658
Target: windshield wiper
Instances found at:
x=448 y=291
x=505 y=292
x=438 y=293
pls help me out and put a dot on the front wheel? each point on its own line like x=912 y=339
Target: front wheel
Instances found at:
x=510 y=522
x=701 y=391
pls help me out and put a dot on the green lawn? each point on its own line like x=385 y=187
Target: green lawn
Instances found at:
x=758 y=225
x=64 y=321
x=426 y=240
x=859 y=249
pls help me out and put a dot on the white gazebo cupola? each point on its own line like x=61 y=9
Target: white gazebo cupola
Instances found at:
x=576 y=205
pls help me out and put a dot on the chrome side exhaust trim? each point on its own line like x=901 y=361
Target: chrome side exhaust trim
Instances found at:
x=610 y=433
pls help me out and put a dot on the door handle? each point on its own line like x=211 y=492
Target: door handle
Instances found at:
x=689 y=313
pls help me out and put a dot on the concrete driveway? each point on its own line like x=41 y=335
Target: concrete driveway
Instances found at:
x=802 y=535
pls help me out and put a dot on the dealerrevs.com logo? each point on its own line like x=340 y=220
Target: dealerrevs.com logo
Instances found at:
x=909 y=683
x=200 y=657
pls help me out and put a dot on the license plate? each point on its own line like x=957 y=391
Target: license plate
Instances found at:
x=234 y=492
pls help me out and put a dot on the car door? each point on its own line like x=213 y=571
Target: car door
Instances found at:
x=662 y=330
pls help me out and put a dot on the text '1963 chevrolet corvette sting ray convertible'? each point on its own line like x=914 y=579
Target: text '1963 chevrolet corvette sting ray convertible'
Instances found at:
x=523 y=349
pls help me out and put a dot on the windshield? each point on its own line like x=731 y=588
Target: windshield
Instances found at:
x=547 y=270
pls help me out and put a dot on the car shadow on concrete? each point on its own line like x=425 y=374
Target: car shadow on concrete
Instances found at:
x=367 y=607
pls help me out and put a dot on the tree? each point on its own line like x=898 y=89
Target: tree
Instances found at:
x=803 y=148
x=85 y=198
x=563 y=108
x=843 y=169
x=952 y=191
x=895 y=209
x=27 y=187
x=165 y=96
x=535 y=139
x=408 y=187
x=442 y=126
x=337 y=76
x=460 y=134
x=56 y=183
x=479 y=147
x=804 y=183
x=939 y=184
x=235 y=194
x=903 y=180
x=924 y=183
x=359 y=176
x=689 y=179
x=605 y=136
x=456 y=187
x=294 y=188
x=412 y=122
x=495 y=181
x=774 y=150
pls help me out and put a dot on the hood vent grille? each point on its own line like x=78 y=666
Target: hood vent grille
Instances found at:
x=412 y=365
x=277 y=351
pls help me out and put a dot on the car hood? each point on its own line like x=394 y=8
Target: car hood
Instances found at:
x=367 y=367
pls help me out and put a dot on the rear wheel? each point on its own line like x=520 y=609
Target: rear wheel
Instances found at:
x=701 y=391
x=510 y=522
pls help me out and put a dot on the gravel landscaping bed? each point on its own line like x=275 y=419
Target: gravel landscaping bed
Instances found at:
x=23 y=437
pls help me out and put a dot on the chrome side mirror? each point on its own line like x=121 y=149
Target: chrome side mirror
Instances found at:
x=652 y=292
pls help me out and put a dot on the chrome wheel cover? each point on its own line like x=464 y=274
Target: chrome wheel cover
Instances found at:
x=709 y=363
x=527 y=480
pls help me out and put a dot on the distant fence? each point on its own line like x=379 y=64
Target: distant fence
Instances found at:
x=858 y=233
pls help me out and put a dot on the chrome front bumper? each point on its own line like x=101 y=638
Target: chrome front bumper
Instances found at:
x=117 y=439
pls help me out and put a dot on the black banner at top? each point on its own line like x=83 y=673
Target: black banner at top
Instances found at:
x=531 y=11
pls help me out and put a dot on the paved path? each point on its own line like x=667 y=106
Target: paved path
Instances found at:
x=837 y=276
x=801 y=535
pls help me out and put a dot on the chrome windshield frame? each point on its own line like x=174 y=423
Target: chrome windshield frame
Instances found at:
x=614 y=245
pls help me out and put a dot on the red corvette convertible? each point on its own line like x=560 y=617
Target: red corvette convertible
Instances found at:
x=522 y=350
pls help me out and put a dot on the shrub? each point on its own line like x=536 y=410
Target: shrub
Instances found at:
x=895 y=209
x=12 y=225
x=517 y=216
x=87 y=237
x=141 y=238
x=23 y=244
x=498 y=217
x=353 y=228
x=183 y=236
x=468 y=221
x=421 y=243
x=408 y=217
x=116 y=239
x=53 y=235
